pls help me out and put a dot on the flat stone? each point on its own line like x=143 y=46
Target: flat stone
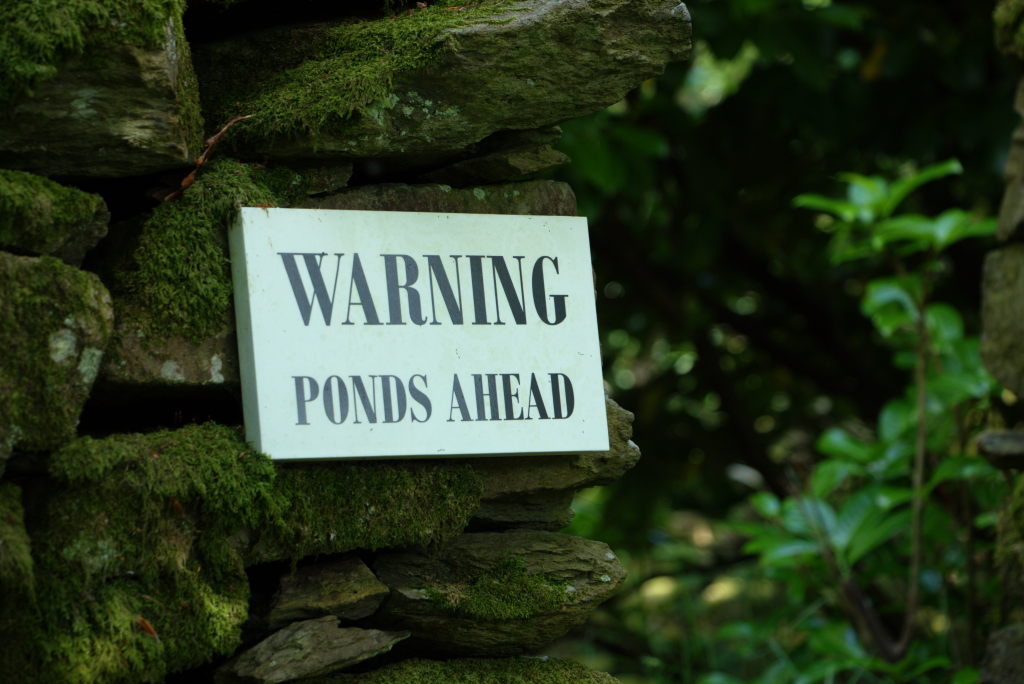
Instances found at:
x=537 y=198
x=1003 y=448
x=307 y=649
x=41 y=217
x=531 y=511
x=503 y=477
x=1011 y=212
x=497 y=593
x=1002 y=315
x=511 y=162
x=114 y=112
x=55 y=322
x=140 y=360
x=344 y=588
x=528 y=64
x=1004 y=657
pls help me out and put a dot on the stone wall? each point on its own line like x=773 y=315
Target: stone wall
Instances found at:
x=140 y=536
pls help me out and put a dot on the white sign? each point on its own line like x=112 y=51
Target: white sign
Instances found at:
x=377 y=334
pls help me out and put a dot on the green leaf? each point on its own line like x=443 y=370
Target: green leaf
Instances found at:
x=967 y=675
x=851 y=516
x=830 y=475
x=867 y=193
x=895 y=419
x=876 y=531
x=845 y=211
x=787 y=550
x=904 y=186
x=890 y=303
x=838 y=443
x=961 y=468
x=766 y=503
x=945 y=326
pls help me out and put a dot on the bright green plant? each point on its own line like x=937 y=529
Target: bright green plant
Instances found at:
x=877 y=547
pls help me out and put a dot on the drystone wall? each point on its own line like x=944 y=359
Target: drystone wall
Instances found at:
x=1003 y=354
x=140 y=536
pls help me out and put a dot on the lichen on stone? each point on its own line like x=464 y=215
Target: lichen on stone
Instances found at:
x=39 y=34
x=522 y=670
x=140 y=544
x=182 y=278
x=1008 y=17
x=338 y=70
x=505 y=592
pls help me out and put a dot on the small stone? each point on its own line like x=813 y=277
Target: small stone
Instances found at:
x=344 y=588
x=498 y=167
x=57 y=321
x=1002 y=314
x=534 y=510
x=307 y=649
x=496 y=593
x=1003 y=448
x=41 y=217
x=1004 y=657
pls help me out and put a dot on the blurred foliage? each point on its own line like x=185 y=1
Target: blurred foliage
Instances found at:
x=755 y=349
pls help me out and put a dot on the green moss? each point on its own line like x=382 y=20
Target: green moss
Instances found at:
x=1010 y=552
x=39 y=34
x=159 y=527
x=340 y=70
x=481 y=671
x=37 y=215
x=182 y=278
x=505 y=592
x=53 y=318
x=17 y=582
x=1009 y=29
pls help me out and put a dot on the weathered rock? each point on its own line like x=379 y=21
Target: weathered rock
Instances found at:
x=1003 y=448
x=1011 y=212
x=119 y=110
x=1002 y=313
x=321 y=179
x=523 y=670
x=532 y=511
x=307 y=649
x=39 y=216
x=17 y=585
x=344 y=588
x=497 y=593
x=503 y=157
x=1004 y=657
x=455 y=76
x=503 y=477
x=537 y=198
x=55 y=322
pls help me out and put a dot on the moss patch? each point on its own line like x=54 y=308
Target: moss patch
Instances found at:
x=40 y=216
x=335 y=71
x=150 y=533
x=1009 y=29
x=1010 y=552
x=505 y=592
x=182 y=277
x=39 y=34
x=481 y=671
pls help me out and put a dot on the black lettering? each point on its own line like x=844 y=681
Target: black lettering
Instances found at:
x=386 y=382
x=436 y=270
x=412 y=272
x=368 y=401
x=491 y=395
x=313 y=263
x=516 y=300
x=540 y=293
x=556 y=395
x=302 y=397
x=421 y=398
x=511 y=396
x=329 y=403
x=365 y=300
x=536 y=400
x=458 y=401
x=476 y=280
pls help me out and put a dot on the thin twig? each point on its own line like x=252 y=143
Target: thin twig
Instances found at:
x=211 y=144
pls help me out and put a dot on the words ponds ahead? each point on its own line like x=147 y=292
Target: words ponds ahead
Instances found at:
x=377 y=334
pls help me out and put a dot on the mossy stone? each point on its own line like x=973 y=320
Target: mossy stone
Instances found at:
x=1002 y=315
x=97 y=88
x=41 y=217
x=55 y=322
x=480 y=671
x=1008 y=18
x=140 y=543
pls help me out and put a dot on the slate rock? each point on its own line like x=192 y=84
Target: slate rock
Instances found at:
x=523 y=65
x=533 y=511
x=116 y=111
x=1003 y=448
x=38 y=216
x=1004 y=657
x=307 y=649
x=55 y=322
x=344 y=588
x=1002 y=314
x=536 y=198
x=497 y=593
x=1011 y=211
x=522 y=670
x=503 y=157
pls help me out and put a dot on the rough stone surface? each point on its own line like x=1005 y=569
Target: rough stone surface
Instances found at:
x=1004 y=657
x=55 y=321
x=531 y=63
x=1003 y=448
x=506 y=476
x=497 y=593
x=41 y=217
x=523 y=670
x=113 y=112
x=503 y=157
x=1011 y=212
x=307 y=649
x=138 y=359
x=344 y=588
x=537 y=198
x=1002 y=314
x=532 y=511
